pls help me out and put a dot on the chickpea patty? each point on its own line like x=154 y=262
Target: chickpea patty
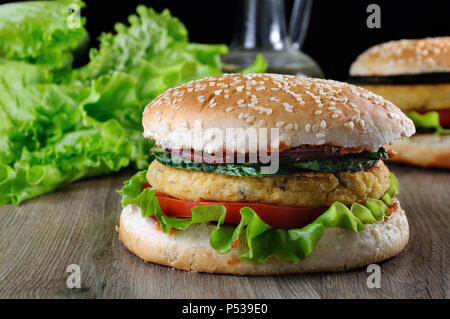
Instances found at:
x=310 y=189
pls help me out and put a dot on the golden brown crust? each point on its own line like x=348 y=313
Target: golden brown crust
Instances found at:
x=426 y=150
x=404 y=57
x=310 y=189
x=339 y=249
x=414 y=97
x=305 y=110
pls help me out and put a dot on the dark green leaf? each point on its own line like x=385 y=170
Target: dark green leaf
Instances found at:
x=346 y=163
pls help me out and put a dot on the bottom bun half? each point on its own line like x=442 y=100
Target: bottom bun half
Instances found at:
x=426 y=150
x=338 y=249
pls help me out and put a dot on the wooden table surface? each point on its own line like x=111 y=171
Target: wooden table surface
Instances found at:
x=76 y=225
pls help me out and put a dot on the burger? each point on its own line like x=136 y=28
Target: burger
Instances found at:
x=415 y=76
x=301 y=187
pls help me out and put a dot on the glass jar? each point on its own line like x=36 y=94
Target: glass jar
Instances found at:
x=261 y=28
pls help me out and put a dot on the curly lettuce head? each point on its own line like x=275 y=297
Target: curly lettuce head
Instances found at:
x=38 y=32
x=61 y=124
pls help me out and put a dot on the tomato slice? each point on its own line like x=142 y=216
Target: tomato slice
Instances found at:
x=276 y=216
x=444 y=116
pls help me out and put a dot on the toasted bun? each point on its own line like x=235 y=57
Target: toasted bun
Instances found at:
x=403 y=57
x=306 y=111
x=338 y=249
x=424 y=150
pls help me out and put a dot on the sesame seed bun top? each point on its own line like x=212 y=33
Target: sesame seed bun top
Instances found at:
x=403 y=57
x=306 y=111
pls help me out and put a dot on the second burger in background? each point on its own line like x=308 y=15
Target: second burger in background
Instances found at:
x=415 y=76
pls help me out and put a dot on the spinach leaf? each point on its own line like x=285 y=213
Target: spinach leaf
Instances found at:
x=345 y=163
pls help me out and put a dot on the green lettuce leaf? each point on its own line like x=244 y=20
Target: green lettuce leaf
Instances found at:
x=52 y=132
x=61 y=124
x=132 y=193
x=155 y=46
x=259 y=66
x=82 y=153
x=37 y=32
x=427 y=122
x=260 y=239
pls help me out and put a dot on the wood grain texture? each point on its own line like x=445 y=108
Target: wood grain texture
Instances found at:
x=76 y=225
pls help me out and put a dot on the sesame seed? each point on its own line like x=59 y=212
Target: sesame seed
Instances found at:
x=308 y=127
x=289 y=126
x=280 y=124
x=323 y=124
x=229 y=109
x=318 y=112
x=335 y=115
x=321 y=142
x=250 y=119
x=288 y=141
x=349 y=125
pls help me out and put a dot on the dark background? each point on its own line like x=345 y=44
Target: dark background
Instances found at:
x=337 y=31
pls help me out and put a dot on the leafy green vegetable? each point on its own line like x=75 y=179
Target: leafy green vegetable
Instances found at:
x=261 y=240
x=61 y=124
x=329 y=165
x=47 y=129
x=259 y=66
x=234 y=169
x=37 y=32
x=427 y=122
x=132 y=193
x=154 y=50
x=345 y=163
